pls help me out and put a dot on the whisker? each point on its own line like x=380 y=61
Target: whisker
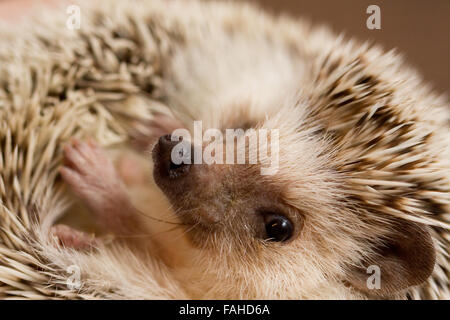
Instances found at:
x=156 y=219
x=186 y=231
x=147 y=235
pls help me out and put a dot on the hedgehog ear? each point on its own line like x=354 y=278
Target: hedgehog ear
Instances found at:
x=406 y=259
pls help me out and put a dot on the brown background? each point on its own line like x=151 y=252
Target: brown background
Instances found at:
x=420 y=29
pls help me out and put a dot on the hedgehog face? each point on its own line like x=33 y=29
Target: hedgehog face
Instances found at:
x=302 y=213
x=250 y=198
x=225 y=199
x=234 y=209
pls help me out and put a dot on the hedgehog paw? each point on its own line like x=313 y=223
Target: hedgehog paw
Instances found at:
x=93 y=177
x=71 y=238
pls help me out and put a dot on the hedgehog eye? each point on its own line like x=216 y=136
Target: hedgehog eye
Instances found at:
x=278 y=227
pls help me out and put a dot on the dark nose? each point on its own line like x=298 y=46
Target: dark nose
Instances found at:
x=166 y=144
x=172 y=164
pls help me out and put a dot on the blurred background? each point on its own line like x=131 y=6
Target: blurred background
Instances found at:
x=420 y=29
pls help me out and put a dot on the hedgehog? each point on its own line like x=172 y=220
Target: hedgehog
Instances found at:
x=87 y=119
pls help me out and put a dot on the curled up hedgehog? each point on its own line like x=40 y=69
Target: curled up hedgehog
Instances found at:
x=87 y=181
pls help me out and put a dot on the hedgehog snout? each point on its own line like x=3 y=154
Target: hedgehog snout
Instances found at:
x=169 y=157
